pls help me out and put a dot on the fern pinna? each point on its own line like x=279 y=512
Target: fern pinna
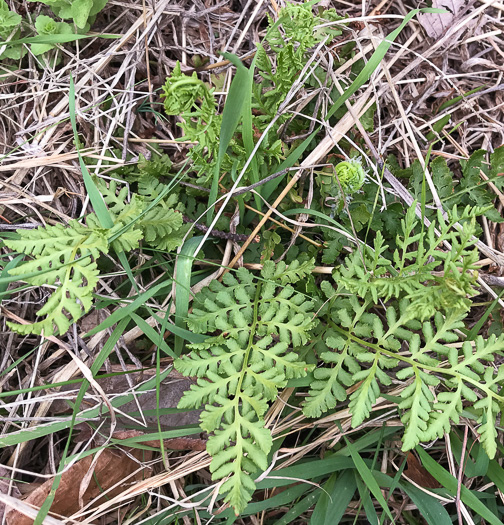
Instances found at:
x=254 y=326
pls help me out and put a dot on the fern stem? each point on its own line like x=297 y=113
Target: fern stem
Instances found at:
x=250 y=343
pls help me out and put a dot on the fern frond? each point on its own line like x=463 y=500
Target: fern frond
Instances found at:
x=489 y=409
x=242 y=366
x=64 y=256
x=446 y=410
x=115 y=196
x=162 y=227
x=361 y=350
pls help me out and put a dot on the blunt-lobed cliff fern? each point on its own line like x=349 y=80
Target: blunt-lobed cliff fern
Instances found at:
x=393 y=324
x=417 y=341
x=393 y=321
x=255 y=323
x=65 y=257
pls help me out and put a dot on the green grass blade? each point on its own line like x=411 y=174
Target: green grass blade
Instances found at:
x=5 y=272
x=181 y=332
x=21 y=436
x=299 y=508
x=368 y=478
x=293 y=157
x=125 y=311
x=55 y=39
x=12 y=367
x=334 y=499
x=95 y=367
x=184 y=264
x=306 y=470
x=375 y=60
x=248 y=132
x=455 y=100
x=366 y=501
x=283 y=498
x=318 y=214
x=95 y=197
x=429 y=507
x=154 y=336
x=154 y=436
x=450 y=484
x=239 y=91
x=496 y=474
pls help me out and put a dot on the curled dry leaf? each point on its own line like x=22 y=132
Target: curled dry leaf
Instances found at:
x=116 y=468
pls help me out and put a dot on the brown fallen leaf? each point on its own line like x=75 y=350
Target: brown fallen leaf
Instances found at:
x=417 y=473
x=112 y=467
x=436 y=24
x=171 y=389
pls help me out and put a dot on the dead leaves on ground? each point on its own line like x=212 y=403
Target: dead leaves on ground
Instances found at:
x=84 y=485
x=115 y=469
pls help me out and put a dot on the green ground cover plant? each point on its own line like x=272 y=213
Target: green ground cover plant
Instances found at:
x=352 y=299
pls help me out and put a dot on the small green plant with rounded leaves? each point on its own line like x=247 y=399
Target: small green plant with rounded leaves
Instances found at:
x=10 y=29
x=45 y=25
x=81 y=12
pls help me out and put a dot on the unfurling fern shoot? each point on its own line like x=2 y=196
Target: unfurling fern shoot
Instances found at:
x=339 y=183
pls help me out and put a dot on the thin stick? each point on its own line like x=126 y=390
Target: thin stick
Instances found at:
x=285 y=227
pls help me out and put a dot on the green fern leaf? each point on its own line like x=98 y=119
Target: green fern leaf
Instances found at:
x=288 y=274
x=447 y=409
x=162 y=227
x=488 y=429
x=63 y=257
x=242 y=365
x=362 y=400
x=417 y=400
x=330 y=381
